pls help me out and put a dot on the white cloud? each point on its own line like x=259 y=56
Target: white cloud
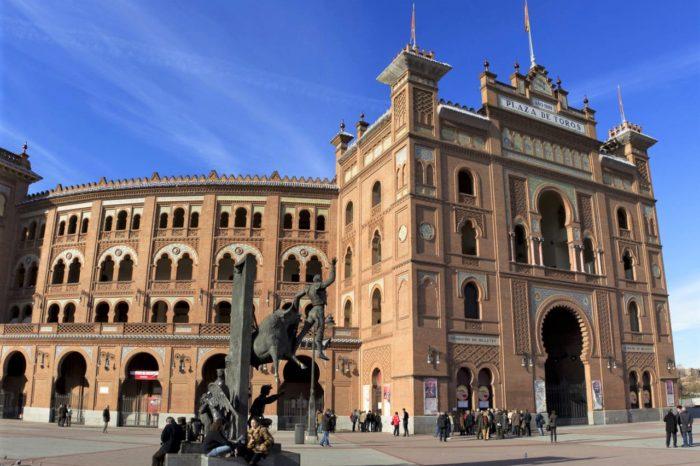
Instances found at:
x=684 y=303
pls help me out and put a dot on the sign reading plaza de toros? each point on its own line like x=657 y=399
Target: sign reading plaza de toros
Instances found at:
x=540 y=114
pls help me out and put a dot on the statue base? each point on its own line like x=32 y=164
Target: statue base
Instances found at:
x=192 y=456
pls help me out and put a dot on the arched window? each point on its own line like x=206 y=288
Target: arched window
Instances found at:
x=33 y=274
x=646 y=390
x=121 y=220
x=419 y=173
x=179 y=218
x=42 y=230
x=555 y=249
x=376 y=248
x=320 y=223
x=429 y=176
x=108 y=223
x=257 y=220
x=59 y=271
x=181 y=312
x=223 y=220
x=20 y=276
x=52 y=315
x=240 y=218
x=376 y=307
x=304 y=220
x=69 y=313
x=107 y=270
x=61 y=228
x=376 y=194
x=159 y=312
x=102 y=312
x=288 y=222
x=471 y=301
x=136 y=222
x=121 y=312
x=74 y=271
x=622 y=219
x=194 y=220
x=468 y=239
x=634 y=390
x=32 y=231
x=291 y=270
x=163 y=220
x=223 y=313
x=348 y=263
x=225 y=269
x=184 y=268
x=126 y=269
x=465 y=182
x=85 y=225
x=520 y=241
x=313 y=268
x=588 y=256
x=348 y=213
x=27 y=313
x=73 y=225
x=634 y=317
x=347 y=314
x=14 y=315
x=628 y=265
x=163 y=268
x=485 y=380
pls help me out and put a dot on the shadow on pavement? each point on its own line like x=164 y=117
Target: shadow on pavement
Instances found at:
x=532 y=460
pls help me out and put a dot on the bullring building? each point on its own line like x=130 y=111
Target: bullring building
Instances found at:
x=503 y=256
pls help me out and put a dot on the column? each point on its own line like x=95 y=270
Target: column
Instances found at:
x=540 y=241
x=512 y=246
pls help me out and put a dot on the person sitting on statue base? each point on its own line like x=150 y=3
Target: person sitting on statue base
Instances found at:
x=215 y=444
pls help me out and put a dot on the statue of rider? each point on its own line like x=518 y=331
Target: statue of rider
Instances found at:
x=316 y=292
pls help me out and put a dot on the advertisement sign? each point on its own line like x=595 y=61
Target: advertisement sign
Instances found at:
x=386 y=397
x=484 y=397
x=430 y=400
x=145 y=375
x=670 y=399
x=540 y=396
x=153 y=404
x=365 y=398
x=597 y=394
x=462 y=396
x=646 y=397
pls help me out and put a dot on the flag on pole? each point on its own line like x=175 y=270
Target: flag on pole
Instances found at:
x=619 y=103
x=413 y=26
x=527 y=18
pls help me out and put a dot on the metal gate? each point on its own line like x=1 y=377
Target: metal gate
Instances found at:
x=569 y=401
x=76 y=401
x=139 y=411
x=11 y=405
x=294 y=411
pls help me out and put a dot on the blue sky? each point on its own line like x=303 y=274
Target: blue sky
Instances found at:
x=121 y=89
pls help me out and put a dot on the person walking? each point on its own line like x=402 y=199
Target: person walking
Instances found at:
x=553 y=427
x=671 y=428
x=685 y=421
x=354 y=416
x=484 y=425
x=396 y=422
x=326 y=429
x=469 y=422
x=527 y=423
x=405 y=422
x=539 y=422
x=515 y=422
x=61 y=415
x=363 y=421
x=69 y=416
x=105 y=419
x=170 y=440
x=443 y=423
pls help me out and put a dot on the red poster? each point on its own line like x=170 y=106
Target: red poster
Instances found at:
x=145 y=375
x=153 y=404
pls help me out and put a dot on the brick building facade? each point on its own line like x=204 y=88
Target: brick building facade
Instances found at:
x=500 y=257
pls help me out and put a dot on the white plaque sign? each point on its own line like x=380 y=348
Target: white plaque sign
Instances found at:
x=540 y=114
x=466 y=339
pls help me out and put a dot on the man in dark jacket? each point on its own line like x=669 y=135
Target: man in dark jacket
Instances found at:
x=326 y=428
x=105 y=418
x=685 y=422
x=170 y=440
x=443 y=425
x=527 y=420
x=405 y=422
x=61 y=415
x=671 y=422
x=553 y=427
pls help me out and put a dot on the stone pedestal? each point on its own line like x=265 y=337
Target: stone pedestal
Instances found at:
x=191 y=457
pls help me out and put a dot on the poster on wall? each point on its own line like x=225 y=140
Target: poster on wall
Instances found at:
x=597 y=394
x=670 y=399
x=462 y=396
x=365 y=398
x=484 y=397
x=430 y=401
x=386 y=399
x=540 y=396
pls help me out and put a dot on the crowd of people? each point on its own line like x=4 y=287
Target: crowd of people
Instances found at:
x=679 y=420
x=494 y=423
x=366 y=421
x=64 y=415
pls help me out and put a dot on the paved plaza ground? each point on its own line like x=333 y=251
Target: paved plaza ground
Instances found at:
x=634 y=444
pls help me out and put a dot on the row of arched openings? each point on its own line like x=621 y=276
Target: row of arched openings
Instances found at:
x=640 y=392
x=304 y=221
x=30 y=233
x=26 y=277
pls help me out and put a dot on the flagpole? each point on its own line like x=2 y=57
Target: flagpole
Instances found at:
x=413 y=26
x=529 y=36
x=619 y=102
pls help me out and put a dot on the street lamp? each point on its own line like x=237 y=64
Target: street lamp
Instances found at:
x=527 y=360
x=612 y=364
x=311 y=417
x=433 y=356
x=670 y=365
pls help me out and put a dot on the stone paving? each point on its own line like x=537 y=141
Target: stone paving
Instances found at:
x=638 y=444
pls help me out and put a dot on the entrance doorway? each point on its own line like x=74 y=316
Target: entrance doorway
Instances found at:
x=12 y=395
x=71 y=388
x=293 y=405
x=565 y=376
x=217 y=361
x=140 y=396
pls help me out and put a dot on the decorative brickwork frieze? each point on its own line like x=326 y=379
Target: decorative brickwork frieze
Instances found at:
x=376 y=357
x=521 y=317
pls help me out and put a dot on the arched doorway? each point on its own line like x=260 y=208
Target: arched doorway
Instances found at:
x=376 y=395
x=565 y=375
x=293 y=405
x=485 y=390
x=12 y=395
x=140 y=396
x=216 y=361
x=71 y=387
x=463 y=388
